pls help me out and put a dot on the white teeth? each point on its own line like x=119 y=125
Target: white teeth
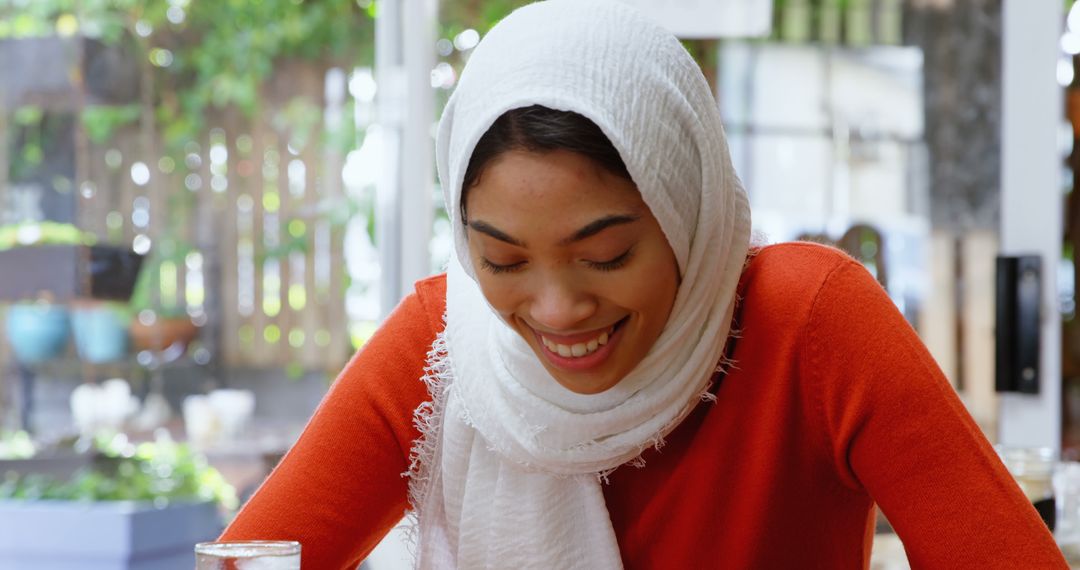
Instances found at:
x=579 y=349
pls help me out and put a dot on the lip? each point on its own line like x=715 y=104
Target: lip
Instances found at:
x=576 y=337
x=587 y=362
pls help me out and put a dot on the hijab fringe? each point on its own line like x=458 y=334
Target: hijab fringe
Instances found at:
x=428 y=419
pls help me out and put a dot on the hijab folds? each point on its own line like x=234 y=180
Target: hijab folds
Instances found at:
x=508 y=471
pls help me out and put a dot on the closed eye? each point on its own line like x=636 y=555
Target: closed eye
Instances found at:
x=497 y=269
x=612 y=264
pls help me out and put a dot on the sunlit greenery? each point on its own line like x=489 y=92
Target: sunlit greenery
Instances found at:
x=16 y=445
x=43 y=233
x=168 y=253
x=160 y=471
x=202 y=55
x=101 y=121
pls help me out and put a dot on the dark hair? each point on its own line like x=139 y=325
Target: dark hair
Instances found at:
x=540 y=129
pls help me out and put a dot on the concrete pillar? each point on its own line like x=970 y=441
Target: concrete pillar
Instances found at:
x=1031 y=204
x=404 y=57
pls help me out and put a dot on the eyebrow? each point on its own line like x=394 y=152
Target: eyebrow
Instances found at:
x=488 y=229
x=598 y=226
x=588 y=231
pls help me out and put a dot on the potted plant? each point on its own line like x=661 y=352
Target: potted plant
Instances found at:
x=36 y=328
x=135 y=506
x=48 y=263
x=63 y=262
x=155 y=324
x=100 y=330
x=37 y=331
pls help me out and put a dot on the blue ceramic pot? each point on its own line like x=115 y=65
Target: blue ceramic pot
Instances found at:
x=101 y=334
x=37 y=332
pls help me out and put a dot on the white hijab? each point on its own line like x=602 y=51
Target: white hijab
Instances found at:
x=508 y=471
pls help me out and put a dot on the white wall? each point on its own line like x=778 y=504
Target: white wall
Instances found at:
x=1031 y=200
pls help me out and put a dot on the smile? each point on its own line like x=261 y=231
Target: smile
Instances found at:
x=578 y=349
x=582 y=351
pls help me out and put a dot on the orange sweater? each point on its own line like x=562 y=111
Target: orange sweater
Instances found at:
x=833 y=405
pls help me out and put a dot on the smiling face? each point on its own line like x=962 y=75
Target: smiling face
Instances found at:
x=573 y=260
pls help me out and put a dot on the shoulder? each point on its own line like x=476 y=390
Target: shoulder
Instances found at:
x=791 y=272
x=781 y=283
x=807 y=287
x=429 y=296
x=800 y=259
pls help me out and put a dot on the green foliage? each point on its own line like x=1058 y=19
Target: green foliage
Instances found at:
x=481 y=16
x=149 y=281
x=237 y=43
x=460 y=15
x=28 y=116
x=198 y=57
x=101 y=121
x=32 y=131
x=161 y=471
x=16 y=445
x=202 y=55
x=222 y=53
x=43 y=233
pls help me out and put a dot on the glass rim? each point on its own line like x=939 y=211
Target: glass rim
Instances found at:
x=263 y=547
x=1022 y=453
x=1025 y=461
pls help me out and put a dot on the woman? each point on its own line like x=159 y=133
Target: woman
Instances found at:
x=602 y=266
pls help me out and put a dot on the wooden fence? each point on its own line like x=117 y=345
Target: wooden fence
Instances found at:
x=247 y=189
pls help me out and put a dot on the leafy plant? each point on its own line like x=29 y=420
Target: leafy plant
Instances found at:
x=43 y=233
x=161 y=471
x=196 y=59
x=169 y=251
x=16 y=445
x=31 y=135
x=101 y=121
x=198 y=56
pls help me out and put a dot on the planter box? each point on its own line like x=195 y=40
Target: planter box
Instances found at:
x=59 y=466
x=111 y=73
x=63 y=535
x=68 y=272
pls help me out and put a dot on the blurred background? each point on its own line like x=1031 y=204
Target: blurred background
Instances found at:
x=207 y=207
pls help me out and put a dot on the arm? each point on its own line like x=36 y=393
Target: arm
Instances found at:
x=339 y=490
x=895 y=427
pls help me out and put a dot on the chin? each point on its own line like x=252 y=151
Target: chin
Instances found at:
x=583 y=383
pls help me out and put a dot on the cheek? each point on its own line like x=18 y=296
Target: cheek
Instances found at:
x=643 y=288
x=492 y=287
x=652 y=288
x=662 y=262
x=656 y=299
x=503 y=296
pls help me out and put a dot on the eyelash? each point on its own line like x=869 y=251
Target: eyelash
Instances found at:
x=610 y=265
x=497 y=269
x=613 y=264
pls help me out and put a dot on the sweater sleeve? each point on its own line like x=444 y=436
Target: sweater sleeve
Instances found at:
x=895 y=427
x=340 y=488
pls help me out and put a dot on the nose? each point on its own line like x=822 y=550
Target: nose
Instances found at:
x=560 y=305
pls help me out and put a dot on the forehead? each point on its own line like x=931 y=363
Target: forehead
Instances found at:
x=555 y=185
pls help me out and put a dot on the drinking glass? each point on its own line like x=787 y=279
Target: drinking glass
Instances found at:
x=1067 y=489
x=1033 y=469
x=248 y=555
